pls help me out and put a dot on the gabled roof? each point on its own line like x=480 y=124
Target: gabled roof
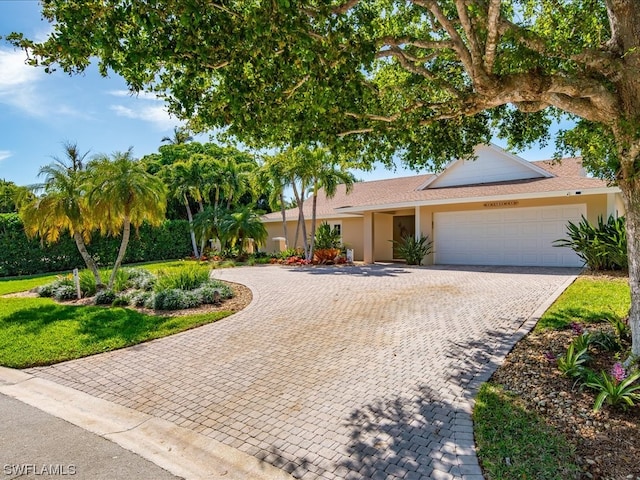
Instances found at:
x=561 y=179
x=492 y=164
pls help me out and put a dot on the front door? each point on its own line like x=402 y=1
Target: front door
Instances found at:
x=403 y=226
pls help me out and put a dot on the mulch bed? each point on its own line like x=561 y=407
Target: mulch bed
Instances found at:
x=607 y=443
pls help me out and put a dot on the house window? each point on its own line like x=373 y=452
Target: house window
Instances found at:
x=337 y=226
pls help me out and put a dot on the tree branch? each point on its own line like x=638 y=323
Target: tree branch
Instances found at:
x=345 y=7
x=410 y=64
x=456 y=39
x=491 y=47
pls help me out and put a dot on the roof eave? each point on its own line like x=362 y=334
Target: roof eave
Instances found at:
x=513 y=196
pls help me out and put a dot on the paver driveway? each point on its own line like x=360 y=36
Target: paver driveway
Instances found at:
x=355 y=372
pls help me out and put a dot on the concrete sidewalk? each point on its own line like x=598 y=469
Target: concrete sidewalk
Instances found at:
x=47 y=427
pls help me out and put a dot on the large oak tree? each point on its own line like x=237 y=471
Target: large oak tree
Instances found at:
x=422 y=81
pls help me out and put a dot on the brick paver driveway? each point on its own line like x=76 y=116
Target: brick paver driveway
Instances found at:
x=355 y=372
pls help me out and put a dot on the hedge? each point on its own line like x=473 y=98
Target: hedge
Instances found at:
x=22 y=256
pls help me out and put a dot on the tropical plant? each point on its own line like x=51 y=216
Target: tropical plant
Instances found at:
x=572 y=363
x=241 y=226
x=327 y=237
x=413 y=249
x=601 y=247
x=188 y=277
x=605 y=341
x=616 y=388
x=123 y=194
x=62 y=206
x=180 y=136
x=620 y=327
x=104 y=297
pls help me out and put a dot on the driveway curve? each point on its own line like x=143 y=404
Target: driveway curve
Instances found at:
x=335 y=372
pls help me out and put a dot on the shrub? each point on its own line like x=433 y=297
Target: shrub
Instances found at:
x=601 y=247
x=326 y=237
x=326 y=255
x=184 y=278
x=65 y=292
x=22 y=256
x=176 y=299
x=49 y=290
x=104 y=297
x=616 y=388
x=121 y=301
x=87 y=283
x=141 y=298
x=141 y=279
x=414 y=250
x=45 y=290
x=214 y=291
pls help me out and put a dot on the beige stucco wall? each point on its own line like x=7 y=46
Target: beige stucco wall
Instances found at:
x=353 y=228
x=351 y=234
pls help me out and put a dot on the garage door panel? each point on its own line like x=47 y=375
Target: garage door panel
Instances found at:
x=515 y=236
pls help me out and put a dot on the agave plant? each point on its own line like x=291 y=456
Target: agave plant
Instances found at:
x=413 y=249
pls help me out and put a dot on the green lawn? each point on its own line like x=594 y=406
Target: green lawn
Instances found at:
x=13 y=285
x=505 y=430
x=515 y=443
x=38 y=331
x=588 y=300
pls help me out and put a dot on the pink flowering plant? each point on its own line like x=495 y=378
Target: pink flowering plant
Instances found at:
x=616 y=388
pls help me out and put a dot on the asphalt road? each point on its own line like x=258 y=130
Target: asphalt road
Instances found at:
x=36 y=445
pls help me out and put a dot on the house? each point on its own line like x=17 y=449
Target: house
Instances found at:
x=495 y=210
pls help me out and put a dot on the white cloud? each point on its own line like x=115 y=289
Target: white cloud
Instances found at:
x=155 y=114
x=140 y=95
x=18 y=82
x=4 y=154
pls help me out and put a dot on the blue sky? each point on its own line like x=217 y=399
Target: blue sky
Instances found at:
x=39 y=111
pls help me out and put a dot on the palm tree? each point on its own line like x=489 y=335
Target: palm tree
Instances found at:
x=180 y=136
x=63 y=205
x=310 y=169
x=270 y=179
x=240 y=226
x=193 y=179
x=124 y=194
x=326 y=174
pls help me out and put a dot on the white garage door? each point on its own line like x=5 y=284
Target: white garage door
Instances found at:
x=512 y=236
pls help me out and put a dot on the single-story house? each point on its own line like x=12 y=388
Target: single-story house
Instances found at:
x=498 y=209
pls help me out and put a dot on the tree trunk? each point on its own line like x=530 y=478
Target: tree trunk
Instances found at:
x=194 y=244
x=203 y=240
x=284 y=220
x=126 y=233
x=631 y=196
x=301 y=218
x=88 y=260
x=313 y=222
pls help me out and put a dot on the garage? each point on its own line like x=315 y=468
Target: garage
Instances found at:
x=505 y=236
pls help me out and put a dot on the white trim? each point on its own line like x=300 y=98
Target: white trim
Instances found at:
x=509 y=155
x=514 y=196
x=320 y=217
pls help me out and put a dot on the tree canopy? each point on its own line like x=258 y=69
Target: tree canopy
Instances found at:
x=419 y=80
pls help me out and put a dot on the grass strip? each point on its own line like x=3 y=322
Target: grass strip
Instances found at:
x=588 y=300
x=515 y=443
